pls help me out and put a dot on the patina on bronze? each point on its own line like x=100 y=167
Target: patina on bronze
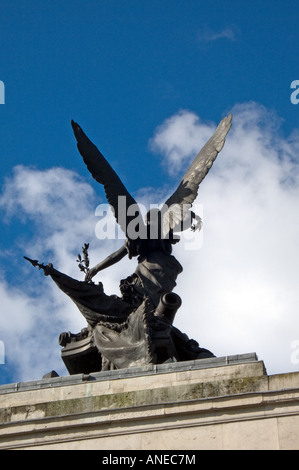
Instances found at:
x=136 y=328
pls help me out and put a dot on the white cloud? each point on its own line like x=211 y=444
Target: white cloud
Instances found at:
x=55 y=201
x=209 y=35
x=240 y=290
x=179 y=138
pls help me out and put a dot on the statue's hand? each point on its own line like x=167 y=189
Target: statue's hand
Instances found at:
x=48 y=269
x=90 y=274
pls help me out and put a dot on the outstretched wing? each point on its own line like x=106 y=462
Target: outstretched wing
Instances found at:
x=177 y=206
x=117 y=195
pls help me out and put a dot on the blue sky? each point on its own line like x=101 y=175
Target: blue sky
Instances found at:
x=129 y=72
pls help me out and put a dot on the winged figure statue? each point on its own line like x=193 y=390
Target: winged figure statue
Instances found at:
x=122 y=326
x=158 y=232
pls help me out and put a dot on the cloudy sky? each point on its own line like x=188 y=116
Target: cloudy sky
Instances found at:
x=149 y=82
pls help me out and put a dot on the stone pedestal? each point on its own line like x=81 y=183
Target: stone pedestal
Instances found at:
x=217 y=403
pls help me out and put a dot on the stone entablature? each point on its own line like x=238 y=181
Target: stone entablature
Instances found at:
x=216 y=403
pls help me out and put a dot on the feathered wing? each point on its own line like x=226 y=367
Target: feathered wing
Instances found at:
x=178 y=205
x=117 y=195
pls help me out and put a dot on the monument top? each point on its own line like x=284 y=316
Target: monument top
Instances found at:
x=132 y=372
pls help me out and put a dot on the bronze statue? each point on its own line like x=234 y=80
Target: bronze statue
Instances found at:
x=136 y=328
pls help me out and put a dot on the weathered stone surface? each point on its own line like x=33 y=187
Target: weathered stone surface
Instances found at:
x=230 y=404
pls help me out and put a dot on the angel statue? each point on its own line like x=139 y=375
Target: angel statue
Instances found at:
x=137 y=327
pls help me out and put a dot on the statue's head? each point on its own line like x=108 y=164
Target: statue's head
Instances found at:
x=153 y=221
x=152 y=216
